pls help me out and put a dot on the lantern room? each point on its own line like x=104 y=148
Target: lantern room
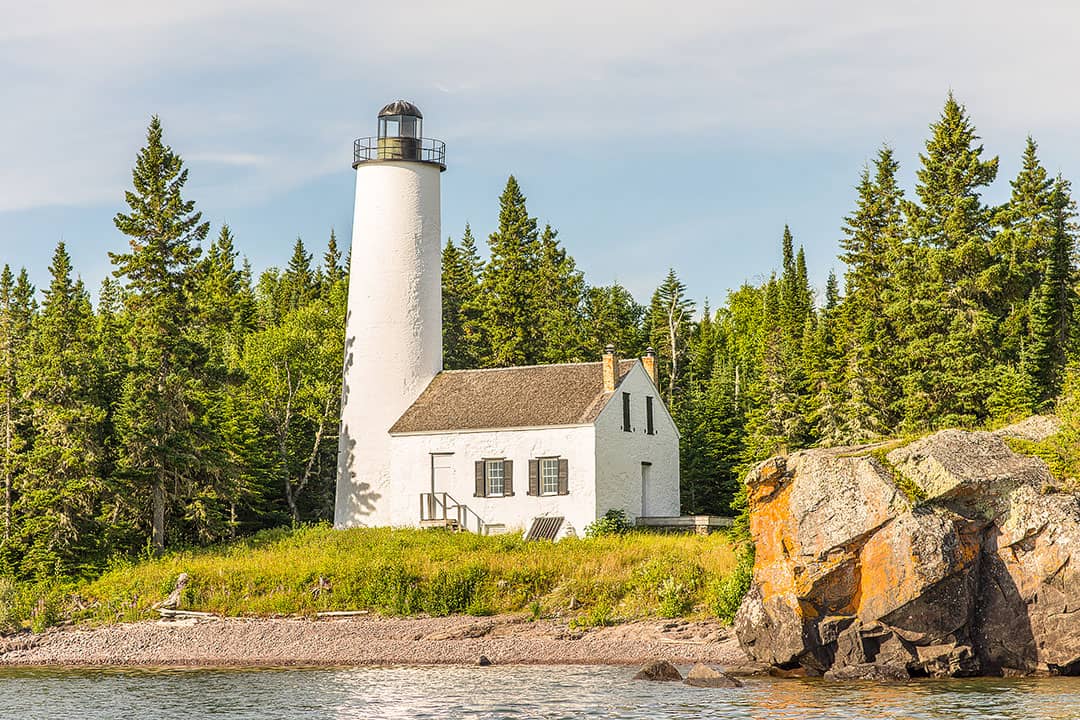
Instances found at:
x=400 y=137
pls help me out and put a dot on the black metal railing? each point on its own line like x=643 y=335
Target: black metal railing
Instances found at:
x=370 y=149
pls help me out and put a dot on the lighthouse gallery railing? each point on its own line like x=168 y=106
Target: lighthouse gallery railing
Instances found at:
x=429 y=150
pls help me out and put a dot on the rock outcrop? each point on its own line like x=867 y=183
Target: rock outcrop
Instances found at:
x=948 y=556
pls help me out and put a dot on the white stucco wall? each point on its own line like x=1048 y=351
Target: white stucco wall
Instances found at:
x=619 y=454
x=411 y=468
x=393 y=341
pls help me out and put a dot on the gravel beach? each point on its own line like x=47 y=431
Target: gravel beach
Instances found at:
x=373 y=640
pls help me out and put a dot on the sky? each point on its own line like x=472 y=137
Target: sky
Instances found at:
x=650 y=135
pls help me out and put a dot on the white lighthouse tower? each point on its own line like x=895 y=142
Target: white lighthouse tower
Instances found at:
x=393 y=340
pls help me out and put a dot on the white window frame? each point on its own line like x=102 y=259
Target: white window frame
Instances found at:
x=549 y=462
x=489 y=478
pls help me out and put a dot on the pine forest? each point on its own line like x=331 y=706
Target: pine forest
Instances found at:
x=195 y=402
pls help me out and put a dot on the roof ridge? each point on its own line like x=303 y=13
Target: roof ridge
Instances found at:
x=538 y=365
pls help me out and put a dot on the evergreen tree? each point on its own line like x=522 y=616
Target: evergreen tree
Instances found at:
x=16 y=313
x=611 y=316
x=221 y=311
x=331 y=272
x=155 y=419
x=560 y=290
x=58 y=503
x=874 y=254
x=950 y=345
x=298 y=280
x=509 y=290
x=670 y=321
x=460 y=305
x=1022 y=246
x=1053 y=304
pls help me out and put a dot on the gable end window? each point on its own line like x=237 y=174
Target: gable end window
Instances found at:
x=626 y=412
x=494 y=478
x=549 y=476
x=649 y=427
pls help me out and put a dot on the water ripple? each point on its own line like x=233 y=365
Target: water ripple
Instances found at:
x=497 y=693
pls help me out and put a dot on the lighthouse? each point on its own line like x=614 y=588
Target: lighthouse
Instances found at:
x=393 y=340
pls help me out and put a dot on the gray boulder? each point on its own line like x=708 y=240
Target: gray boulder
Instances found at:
x=659 y=671
x=704 y=676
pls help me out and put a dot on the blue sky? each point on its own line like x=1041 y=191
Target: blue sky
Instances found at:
x=649 y=134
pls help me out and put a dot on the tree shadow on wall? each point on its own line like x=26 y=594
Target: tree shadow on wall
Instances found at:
x=353 y=499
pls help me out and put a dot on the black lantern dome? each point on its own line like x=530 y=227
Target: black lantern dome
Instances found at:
x=401 y=137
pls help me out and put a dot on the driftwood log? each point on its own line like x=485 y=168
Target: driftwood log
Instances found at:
x=173 y=601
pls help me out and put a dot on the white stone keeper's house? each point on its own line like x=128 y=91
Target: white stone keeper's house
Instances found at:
x=547 y=448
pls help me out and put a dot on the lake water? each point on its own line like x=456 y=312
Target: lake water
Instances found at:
x=506 y=692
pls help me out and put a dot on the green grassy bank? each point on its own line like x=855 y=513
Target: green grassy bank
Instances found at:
x=595 y=581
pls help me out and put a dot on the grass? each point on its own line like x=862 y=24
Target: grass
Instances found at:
x=594 y=581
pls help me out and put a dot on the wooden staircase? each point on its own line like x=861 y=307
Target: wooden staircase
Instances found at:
x=441 y=510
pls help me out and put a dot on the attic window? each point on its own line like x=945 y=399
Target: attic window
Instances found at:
x=626 y=412
x=649 y=427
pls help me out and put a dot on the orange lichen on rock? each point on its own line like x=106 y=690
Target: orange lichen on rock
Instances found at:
x=976 y=577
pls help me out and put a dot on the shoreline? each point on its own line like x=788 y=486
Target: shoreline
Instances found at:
x=374 y=641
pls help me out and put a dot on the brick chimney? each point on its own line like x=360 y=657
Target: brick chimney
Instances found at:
x=611 y=364
x=649 y=363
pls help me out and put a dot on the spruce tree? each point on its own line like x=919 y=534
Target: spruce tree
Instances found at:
x=611 y=316
x=950 y=345
x=560 y=290
x=874 y=254
x=298 y=280
x=1023 y=243
x=459 y=288
x=330 y=272
x=509 y=292
x=154 y=421
x=1053 y=304
x=58 y=503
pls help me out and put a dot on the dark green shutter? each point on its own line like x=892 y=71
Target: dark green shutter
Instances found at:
x=649 y=428
x=480 y=489
x=534 y=477
x=626 y=411
x=508 y=477
x=564 y=477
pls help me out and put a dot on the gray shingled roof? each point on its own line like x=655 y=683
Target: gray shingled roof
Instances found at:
x=533 y=396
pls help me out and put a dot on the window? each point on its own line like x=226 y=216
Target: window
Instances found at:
x=626 y=412
x=410 y=126
x=549 y=476
x=649 y=428
x=494 y=476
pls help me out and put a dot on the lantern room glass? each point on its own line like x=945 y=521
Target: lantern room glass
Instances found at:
x=405 y=126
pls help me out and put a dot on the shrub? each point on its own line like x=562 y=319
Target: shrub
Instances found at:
x=12 y=614
x=614 y=522
x=453 y=591
x=727 y=592
x=676 y=599
x=599 y=615
x=393 y=590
